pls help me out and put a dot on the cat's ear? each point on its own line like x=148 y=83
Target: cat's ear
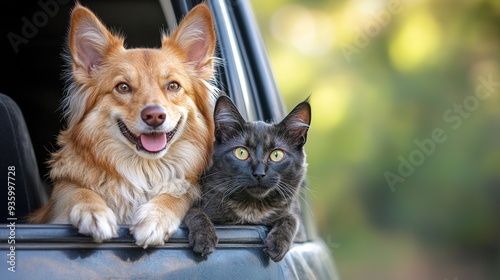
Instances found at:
x=228 y=121
x=296 y=124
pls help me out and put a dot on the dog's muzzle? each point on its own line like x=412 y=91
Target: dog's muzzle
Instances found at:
x=150 y=142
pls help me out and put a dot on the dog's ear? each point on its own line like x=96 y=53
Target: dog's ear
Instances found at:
x=196 y=37
x=228 y=121
x=89 y=40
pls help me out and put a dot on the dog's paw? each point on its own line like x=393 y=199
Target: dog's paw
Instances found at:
x=276 y=246
x=152 y=225
x=95 y=220
x=203 y=241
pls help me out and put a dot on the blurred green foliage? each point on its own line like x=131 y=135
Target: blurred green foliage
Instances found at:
x=383 y=76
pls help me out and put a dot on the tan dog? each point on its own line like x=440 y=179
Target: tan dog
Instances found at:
x=139 y=130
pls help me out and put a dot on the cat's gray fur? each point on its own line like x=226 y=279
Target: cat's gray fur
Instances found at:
x=256 y=190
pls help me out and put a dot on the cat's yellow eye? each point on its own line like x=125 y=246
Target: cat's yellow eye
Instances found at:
x=276 y=155
x=241 y=153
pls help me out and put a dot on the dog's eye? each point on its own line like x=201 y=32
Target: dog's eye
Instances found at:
x=123 y=88
x=173 y=86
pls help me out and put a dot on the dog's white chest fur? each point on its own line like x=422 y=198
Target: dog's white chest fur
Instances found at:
x=142 y=183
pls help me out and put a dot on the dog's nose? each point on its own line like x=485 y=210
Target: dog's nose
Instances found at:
x=153 y=116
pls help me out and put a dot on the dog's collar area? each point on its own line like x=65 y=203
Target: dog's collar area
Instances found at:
x=149 y=142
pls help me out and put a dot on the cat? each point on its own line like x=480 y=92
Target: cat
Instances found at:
x=255 y=177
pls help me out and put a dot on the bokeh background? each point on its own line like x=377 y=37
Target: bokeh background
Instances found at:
x=404 y=148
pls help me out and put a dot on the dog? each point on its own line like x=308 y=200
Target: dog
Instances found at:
x=139 y=130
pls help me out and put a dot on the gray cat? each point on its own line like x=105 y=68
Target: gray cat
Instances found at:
x=255 y=177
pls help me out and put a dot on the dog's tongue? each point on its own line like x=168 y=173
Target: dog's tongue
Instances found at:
x=154 y=142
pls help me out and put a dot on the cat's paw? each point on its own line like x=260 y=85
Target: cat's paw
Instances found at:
x=95 y=220
x=152 y=225
x=277 y=245
x=203 y=241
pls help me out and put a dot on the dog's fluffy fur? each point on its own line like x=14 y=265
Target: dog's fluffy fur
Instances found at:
x=105 y=172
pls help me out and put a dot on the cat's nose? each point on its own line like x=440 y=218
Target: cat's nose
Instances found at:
x=259 y=172
x=259 y=176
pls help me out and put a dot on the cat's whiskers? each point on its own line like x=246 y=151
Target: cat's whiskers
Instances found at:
x=208 y=202
x=307 y=188
x=303 y=195
x=206 y=176
x=286 y=190
x=228 y=186
x=231 y=191
x=282 y=191
x=224 y=184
